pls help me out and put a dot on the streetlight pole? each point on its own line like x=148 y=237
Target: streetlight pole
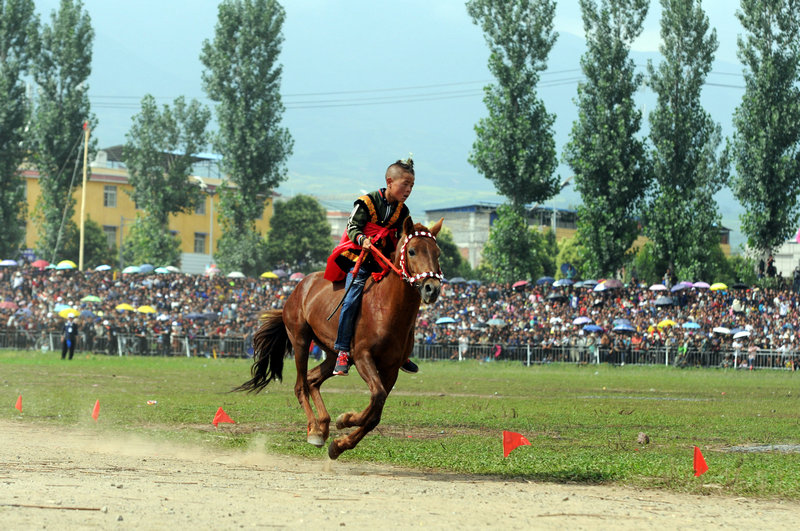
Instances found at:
x=211 y=226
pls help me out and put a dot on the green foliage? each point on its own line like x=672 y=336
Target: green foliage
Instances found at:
x=515 y=148
x=514 y=251
x=96 y=250
x=740 y=269
x=609 y=162
x=299 y=235
x=150 y=242
x=18 y=32
x=681 y=218
x=767 y=123
x=571 y=251
x=61 y=68
x=648 y=266
x=243 y=76
x=159 y=154
x=450 y=260
x=245 y=251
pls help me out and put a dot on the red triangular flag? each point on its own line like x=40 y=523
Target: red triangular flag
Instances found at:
x=511 y=440
x=221 y=416
x=96 y=410
x=700 y=466
x=19 y=404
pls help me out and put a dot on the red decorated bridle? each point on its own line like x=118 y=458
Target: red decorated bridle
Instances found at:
x=403 y=271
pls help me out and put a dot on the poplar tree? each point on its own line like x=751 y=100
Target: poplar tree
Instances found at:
x=608 y=160
x=304 y=250
x=767 y=122
x=242 y=75
x=681 y=218
x=18 y=33
x=61 y=68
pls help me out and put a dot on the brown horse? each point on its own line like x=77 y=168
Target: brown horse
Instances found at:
x=383 y=339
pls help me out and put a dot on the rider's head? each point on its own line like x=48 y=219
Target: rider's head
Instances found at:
x=400 y=180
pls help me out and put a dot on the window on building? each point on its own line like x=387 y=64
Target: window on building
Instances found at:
x=111 y=235
x=110 y=196
x=200 y=242
x=201 y=207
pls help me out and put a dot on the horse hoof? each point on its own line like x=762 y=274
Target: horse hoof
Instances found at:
x=340 y=425
x=316 y=440
x=333 y=452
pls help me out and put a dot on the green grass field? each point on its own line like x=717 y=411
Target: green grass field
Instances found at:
x=582 y=421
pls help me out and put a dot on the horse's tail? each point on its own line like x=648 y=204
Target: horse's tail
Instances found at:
x=270 y=346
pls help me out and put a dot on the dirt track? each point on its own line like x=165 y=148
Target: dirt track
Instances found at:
x=64 y=479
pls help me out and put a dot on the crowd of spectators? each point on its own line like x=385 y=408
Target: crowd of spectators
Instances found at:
x=606 y=323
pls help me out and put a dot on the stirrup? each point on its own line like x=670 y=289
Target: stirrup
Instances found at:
x=410 y=367
x=342 y=364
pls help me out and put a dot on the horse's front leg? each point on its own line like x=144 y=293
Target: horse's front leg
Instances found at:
x=367 y=419
x=316 y=377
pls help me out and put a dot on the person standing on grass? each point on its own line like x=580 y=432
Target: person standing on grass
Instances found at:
x=69 y=337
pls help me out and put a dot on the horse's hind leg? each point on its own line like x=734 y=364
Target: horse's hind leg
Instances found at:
x=316 y=435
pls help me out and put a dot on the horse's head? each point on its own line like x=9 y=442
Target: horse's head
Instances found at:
x=419 y=259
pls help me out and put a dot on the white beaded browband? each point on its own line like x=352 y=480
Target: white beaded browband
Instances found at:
x=403 y=267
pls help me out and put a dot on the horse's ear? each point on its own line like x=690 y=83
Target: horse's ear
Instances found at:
x=408 y=225
x=437 y=227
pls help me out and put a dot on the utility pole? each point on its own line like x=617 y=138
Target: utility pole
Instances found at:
x=83 y=192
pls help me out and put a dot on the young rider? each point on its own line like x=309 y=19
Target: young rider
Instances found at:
x=376 y=216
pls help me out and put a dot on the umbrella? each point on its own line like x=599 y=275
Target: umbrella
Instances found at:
x=478 y=325
x=211 y=271
x=66 y=264
x=623 y=328
x=146 y=268
x=588 y=283
x=162 y=270
x=600 y=287
x=581 y=320
x=60 y=307
x=721 y=330
x=553 y=296
x=545 y=280
x=194 y=316
x=691 y=325
x=592 y=328
x=280 y=273
x=172 y=269
x=23 y=312
x=445 y=320
x=235 y=274
x=563 y=282
x=718 y=286
x=87 y=314
x=124 y=306
x=146 y=309
x=41 y=264
x=268 y=274
x=521 y=283
x=297 y=276
x=91 y=298
x=496 y=322
x=740 y=285
x=213 y=316
x=457 y=280
x=130 y=269
x=704 y=285
x=68 y=312
x=8 y=305
x=665 y=323
x=8 y=262
x=612 y=283
x=739 y=335
x=663 y=301
x=474 y=282
x=103 y=267
x=658 y=287
x=679 y=287
x=621 y=321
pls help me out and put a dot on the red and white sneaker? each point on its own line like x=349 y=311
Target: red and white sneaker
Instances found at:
x=342 y=364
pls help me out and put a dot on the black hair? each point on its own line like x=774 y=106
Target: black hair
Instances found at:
x=405 y=165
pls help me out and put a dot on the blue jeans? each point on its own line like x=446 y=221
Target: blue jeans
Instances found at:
x=350 y=307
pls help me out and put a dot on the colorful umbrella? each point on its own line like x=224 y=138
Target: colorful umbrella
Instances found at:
x=68 y=312
x=103 y=267
x=297 y=276
x=91 y=298
x=41 y=264
x=8 y=262
x=130 y=270
x=235 y=274
x=66 y=264
x=146 y=309
x=268 y=274
x=124 y=307
x=718 y=286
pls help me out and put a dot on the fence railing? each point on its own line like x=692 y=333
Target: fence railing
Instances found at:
x=240 y=347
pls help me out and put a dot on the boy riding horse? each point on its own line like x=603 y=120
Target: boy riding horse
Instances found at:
x=376 y=217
